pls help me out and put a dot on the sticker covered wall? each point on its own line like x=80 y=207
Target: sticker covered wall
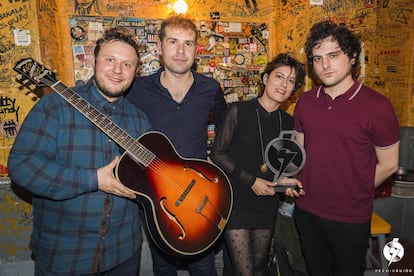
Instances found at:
x=234 y=53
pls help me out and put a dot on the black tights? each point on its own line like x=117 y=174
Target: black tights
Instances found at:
x=249 y=250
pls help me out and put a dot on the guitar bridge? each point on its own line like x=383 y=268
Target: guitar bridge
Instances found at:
x=185 y=193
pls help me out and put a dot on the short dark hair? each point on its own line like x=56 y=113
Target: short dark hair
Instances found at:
x=348 y=41
x=117 y=34
x=178 y=21
x=287 y=59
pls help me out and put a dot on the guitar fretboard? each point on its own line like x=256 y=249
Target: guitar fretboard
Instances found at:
x=136 y=150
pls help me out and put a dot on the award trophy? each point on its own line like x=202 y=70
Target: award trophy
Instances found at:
x=285 y=157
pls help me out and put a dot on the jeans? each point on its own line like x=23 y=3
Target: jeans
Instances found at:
x=130 y=267
x=167 y=265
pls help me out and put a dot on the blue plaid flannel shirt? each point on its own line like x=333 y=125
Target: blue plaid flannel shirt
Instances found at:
x=56 y=156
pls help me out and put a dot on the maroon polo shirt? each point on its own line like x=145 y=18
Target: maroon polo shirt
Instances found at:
x=340 y=137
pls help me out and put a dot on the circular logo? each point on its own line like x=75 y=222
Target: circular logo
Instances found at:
x=78 y=33
x=284 y=155
x=393 y=251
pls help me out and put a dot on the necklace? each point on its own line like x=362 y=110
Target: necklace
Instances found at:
x=263 y=167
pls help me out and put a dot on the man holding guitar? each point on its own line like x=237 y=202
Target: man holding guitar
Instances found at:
x=84 y=221
x=177 y=101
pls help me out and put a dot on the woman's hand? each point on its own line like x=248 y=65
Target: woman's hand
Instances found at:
x=262 y=187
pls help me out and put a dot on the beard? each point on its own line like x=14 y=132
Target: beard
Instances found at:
x=109 y=94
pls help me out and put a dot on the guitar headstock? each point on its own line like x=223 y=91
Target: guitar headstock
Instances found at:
x=34 y=72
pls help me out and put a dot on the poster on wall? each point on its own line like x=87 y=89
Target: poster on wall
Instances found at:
x=234 y=53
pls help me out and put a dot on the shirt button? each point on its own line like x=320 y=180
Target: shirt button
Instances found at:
x=330 y=107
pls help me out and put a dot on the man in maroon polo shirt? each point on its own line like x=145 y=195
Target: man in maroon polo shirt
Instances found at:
x=351 y=137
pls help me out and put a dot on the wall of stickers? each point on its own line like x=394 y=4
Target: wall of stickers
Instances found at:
x=234 y=53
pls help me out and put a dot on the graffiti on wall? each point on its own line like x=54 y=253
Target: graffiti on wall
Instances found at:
x=235 y=9
x=391 y=73
x=9 y=126
x=15 y=16
x=384 y=27
x=9 y=117
x=15 y=224
x=15 y=41
x=48 y=44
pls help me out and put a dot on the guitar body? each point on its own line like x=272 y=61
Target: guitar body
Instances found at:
x=186 y=202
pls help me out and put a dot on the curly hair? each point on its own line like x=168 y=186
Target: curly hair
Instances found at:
x=117 y=34
x=348 y=42
x=287 y=59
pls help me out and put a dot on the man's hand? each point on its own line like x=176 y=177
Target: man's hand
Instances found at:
x=108 y=183
x=292 y=192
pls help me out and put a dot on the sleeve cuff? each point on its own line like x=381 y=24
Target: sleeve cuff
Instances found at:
x=93 y=176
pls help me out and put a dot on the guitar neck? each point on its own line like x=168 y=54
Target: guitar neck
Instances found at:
x=136 y=150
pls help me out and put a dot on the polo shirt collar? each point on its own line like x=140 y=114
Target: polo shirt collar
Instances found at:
x=350 y=93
